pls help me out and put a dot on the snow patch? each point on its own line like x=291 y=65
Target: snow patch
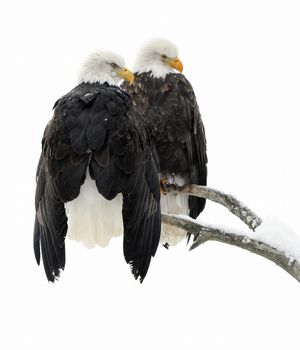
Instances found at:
x=279 y=235
x=273 y=231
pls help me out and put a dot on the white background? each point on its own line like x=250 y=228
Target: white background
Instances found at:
x=242 y=58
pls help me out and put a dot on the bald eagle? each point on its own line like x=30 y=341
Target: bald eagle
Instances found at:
x=167 y=102
x=97 y=177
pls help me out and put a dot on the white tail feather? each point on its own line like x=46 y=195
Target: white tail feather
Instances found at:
x=174 y=203
x=92 y=219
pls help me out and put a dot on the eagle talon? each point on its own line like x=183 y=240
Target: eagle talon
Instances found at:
x=163 y=186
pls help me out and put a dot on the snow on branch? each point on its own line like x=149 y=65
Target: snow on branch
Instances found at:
x=283 y=248
x=203 y=233
x=227 y=200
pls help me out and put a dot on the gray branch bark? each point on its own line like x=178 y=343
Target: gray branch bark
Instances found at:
x=203 y=234
x=231 y=203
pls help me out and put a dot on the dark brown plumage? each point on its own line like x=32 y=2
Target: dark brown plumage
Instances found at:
x=171 y=113
x=95 y=128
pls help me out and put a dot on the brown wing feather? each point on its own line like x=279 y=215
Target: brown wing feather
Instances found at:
x=172 y=115
x=94 y=126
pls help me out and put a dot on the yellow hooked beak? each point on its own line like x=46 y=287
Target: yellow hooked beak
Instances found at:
x=126 y=74
x=175 y=63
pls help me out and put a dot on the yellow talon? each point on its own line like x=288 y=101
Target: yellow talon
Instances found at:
x=163 y=187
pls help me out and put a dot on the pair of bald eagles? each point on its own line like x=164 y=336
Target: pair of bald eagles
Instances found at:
x=107 y=148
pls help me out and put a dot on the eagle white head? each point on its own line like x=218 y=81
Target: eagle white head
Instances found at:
x=104 y=67
x=158 y=56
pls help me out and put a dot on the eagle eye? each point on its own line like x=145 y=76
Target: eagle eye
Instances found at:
x=114 y=65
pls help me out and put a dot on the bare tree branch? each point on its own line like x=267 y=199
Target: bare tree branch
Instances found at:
x=203 y=234
x=231 y=203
